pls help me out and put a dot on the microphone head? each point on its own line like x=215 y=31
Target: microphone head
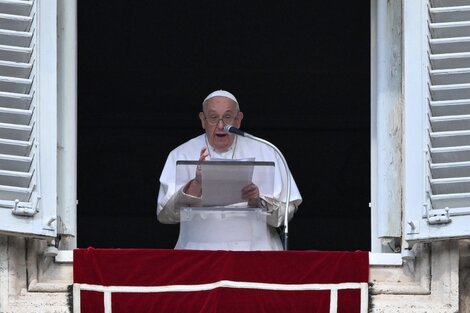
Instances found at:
x=227 y=128
x=233 y=130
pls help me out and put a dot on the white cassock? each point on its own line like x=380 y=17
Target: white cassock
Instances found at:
x=168 y=211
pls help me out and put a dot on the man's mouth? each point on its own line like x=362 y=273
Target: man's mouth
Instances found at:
x=220 y=135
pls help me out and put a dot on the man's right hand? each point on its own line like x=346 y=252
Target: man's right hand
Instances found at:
x=194 y=187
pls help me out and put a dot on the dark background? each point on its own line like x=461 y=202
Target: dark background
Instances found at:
x=299 y=69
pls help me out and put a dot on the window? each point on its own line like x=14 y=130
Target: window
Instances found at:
x=421 y=122
x=437 y=100
x=28 y=119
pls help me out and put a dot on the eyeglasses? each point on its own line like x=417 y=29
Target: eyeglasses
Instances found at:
x=226 y=119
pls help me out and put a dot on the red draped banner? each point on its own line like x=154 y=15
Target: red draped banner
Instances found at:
x=246 y=271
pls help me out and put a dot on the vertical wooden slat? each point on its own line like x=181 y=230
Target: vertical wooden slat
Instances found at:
x=333 y=300
x=76 y=298
x=364 y=298
x=107 y=302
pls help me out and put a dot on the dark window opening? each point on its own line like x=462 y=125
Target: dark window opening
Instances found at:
x=300 y=70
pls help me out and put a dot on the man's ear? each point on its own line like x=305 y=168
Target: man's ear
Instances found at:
x=203 y=120
x=239 y=119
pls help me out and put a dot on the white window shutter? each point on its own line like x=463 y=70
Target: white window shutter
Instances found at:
x=28 y=118
x=445 y=211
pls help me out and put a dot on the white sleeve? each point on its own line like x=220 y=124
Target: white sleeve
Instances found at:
x=169 y=213
x=276 y=210
x=275 y=204
x=170 y=196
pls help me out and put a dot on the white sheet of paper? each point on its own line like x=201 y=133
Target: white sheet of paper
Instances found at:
x=222 y=183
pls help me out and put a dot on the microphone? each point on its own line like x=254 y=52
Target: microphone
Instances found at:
x=231 y=129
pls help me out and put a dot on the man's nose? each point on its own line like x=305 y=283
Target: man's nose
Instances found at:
x=220 y=123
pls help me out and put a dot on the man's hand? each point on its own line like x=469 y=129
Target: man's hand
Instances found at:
x=251 y=194
x=202 y=157
x=194 y=187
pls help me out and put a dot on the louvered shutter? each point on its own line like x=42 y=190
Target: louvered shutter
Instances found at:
x=445 y=211
x=28 y=117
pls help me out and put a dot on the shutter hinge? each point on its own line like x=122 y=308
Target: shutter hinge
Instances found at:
x=25 y=208
x=439 y=216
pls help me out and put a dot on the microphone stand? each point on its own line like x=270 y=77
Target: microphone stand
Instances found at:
x=231 y=129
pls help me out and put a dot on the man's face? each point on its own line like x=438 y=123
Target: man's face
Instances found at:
x=218 y=112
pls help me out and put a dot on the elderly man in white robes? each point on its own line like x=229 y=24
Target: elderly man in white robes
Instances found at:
x=221 y=108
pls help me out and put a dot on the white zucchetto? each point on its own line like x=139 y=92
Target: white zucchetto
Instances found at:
x=220 y=93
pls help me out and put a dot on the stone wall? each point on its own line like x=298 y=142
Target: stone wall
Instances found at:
x=31 y=282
